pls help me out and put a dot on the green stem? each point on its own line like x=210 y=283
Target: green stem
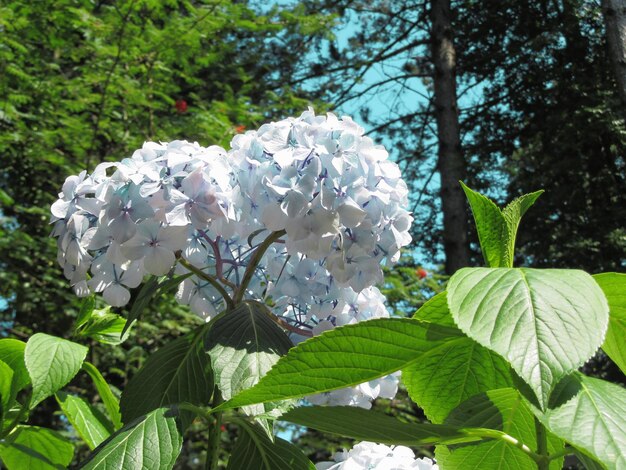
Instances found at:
x=502 y=436
x=254 y=261
x=201 y=274
x=215 y=430
x=204 y=414
x=542 y=446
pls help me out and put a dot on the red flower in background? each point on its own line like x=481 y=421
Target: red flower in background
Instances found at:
x=181 y=106
x=421 y=273
x=240 y=129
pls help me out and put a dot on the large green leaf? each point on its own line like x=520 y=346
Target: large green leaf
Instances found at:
x=35 y=448
x=178 y=372
x=243 y=345
x=12 y=354
x=51 y=362
x=344 y=357
x=150 y=442
x=88 y=422
x=449 y=375
x=614 y=287
x=502 y=410
x=366 y=425
x=546 y=323
x=491 y=227
x=591 y=415
x=254 y=450
x=108 y=399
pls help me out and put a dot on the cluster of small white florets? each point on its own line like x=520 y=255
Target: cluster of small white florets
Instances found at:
x=335 y=194
x=371 y=456
x=114 y=230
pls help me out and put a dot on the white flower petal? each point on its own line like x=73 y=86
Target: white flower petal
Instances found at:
x=159 y=261
x=116 y=295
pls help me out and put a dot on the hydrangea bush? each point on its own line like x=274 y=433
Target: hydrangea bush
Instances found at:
x=329 y=199
x=278 y=245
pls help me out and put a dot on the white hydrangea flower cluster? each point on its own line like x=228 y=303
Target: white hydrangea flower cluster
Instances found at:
x=331 y=189
x=331 y=198
x=122 y=227
x=371 y=456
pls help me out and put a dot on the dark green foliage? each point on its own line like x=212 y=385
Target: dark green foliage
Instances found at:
x=551 y=119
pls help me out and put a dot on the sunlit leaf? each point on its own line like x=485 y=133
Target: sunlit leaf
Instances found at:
x=90 y=425
x=344 y=357
x=51 y=362
x=546 y=323
x=152 y=442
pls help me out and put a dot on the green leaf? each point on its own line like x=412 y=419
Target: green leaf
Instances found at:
x=492 y=229
x=105 y=327
x=513 y=214
x=346 y=356
x=546 y=323
x=436 y=310
x=254 y=450
x=366 y=425
x=5 y=199
x=12 y=354
x=51 y=362
x=6 y=390
x=35 y=448
x=591 y=415
x=108 y=399
x=447 y=376
x=243 y=345
x=86 y=309
x=88 y=422
x=152 y=442
x=614 y=287
x=178 y=372
x=497 y=230
x=502 y=410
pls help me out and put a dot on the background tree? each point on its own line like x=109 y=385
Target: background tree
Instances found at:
x=550 y=118
x=615 y=20
x=450 y=161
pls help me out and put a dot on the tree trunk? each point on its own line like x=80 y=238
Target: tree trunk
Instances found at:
x=615 y=21
x=450 y=163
